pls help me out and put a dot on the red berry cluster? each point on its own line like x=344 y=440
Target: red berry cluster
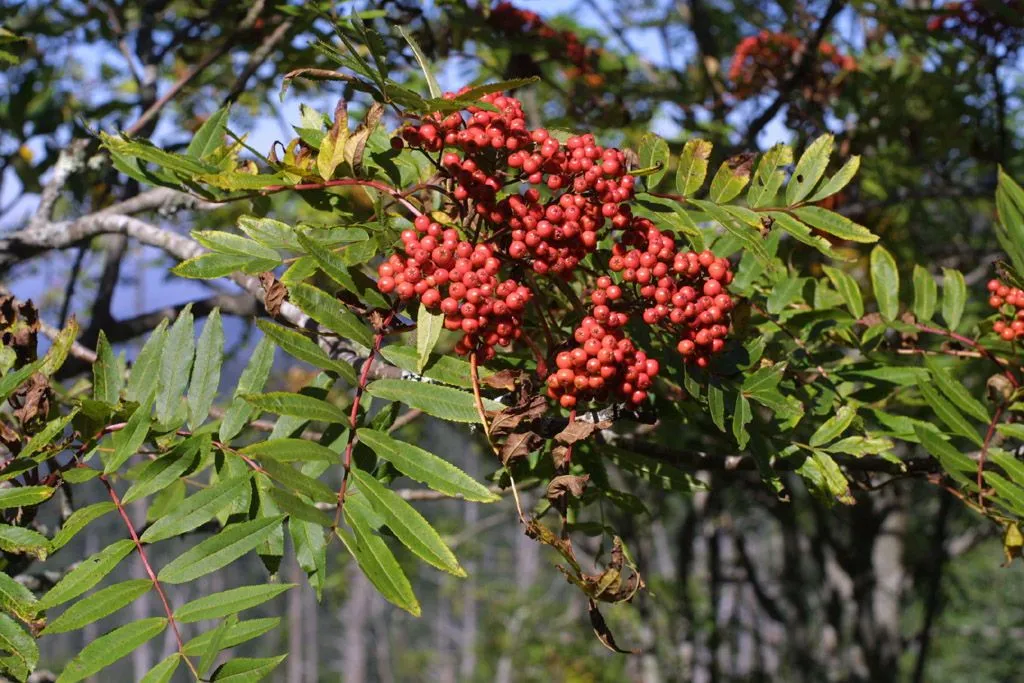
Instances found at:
x=1003 y=298
x=512 y=21
x=984 y=20
x=532 y=201
x=462 y=281
x=605 y=364
x=682 y=291
x=765 y=61
x=588 y=184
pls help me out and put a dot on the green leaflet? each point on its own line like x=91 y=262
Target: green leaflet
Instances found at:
x=408 y=525
x=377 y=562
x=848 y=289
x=229 y=602
x=716 y=405
x=87 y=574
x=220 y=550
x=23 y=648
x=142 y=381
x=297 y=482
x=885 y=280
x=693 y=166
x=175 y=364
x=236 y=634
x=297 y=405
x=653 y=152
x=954 y=297
x=425 y=467
x=16 y=599
x=443 y=402
x=19 y=540
x=955 y=391
x=730 y=179
x=428 y=330
x=246 y=670
x=926 y=294
x=158 y=474
x=834 y=426
x=444 y=368
x=128 y=440
x=206 y=370
x=197 y=509
x=100 y=604
x=330 y=313
x=107 y=649
x=948 y=413
x=301 y=347
x=769 y=176
x=163 y=671
x=809 y=169
x=106 y=375
x=840 y=180
x=253 y=377
x=291 y=450
x=24 y=496
x=78 y=521
x=210 y=135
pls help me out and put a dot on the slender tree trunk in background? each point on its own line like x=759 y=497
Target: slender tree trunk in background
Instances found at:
x=380 y=626
x=354 y=617
x=468 y=631
x=90 y=632
x=443 y=654
x=142 y=657
x=527 y=553
x=310 y=635
x=934 y=597
x=890 y=574
x=296 y=651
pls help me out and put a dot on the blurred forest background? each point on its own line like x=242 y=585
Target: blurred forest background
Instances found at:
x=906 y=585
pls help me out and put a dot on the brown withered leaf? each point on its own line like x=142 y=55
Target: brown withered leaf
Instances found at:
x=503 y=379
x=506 y=421
x=578 y=430
x=741 y=164
x=609 y=586
x=603 y=633
x=542 y=534
x=274 y=293
x=572 y=484
x=909 y=318
x=377 y=321
x=9 y=438
x=871 y=319
x=560 y=457
x=32 y=399
x=519 y=444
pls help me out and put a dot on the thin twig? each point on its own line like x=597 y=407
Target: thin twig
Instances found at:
x=149 y=571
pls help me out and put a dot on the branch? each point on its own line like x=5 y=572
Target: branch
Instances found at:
x=807 y=61
x=71 y=159
x=256 y=59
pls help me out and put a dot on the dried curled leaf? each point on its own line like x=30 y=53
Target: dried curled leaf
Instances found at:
x=274 y=293
x=571 y=484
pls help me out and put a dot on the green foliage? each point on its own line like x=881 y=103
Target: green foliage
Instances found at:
x=812 y=386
